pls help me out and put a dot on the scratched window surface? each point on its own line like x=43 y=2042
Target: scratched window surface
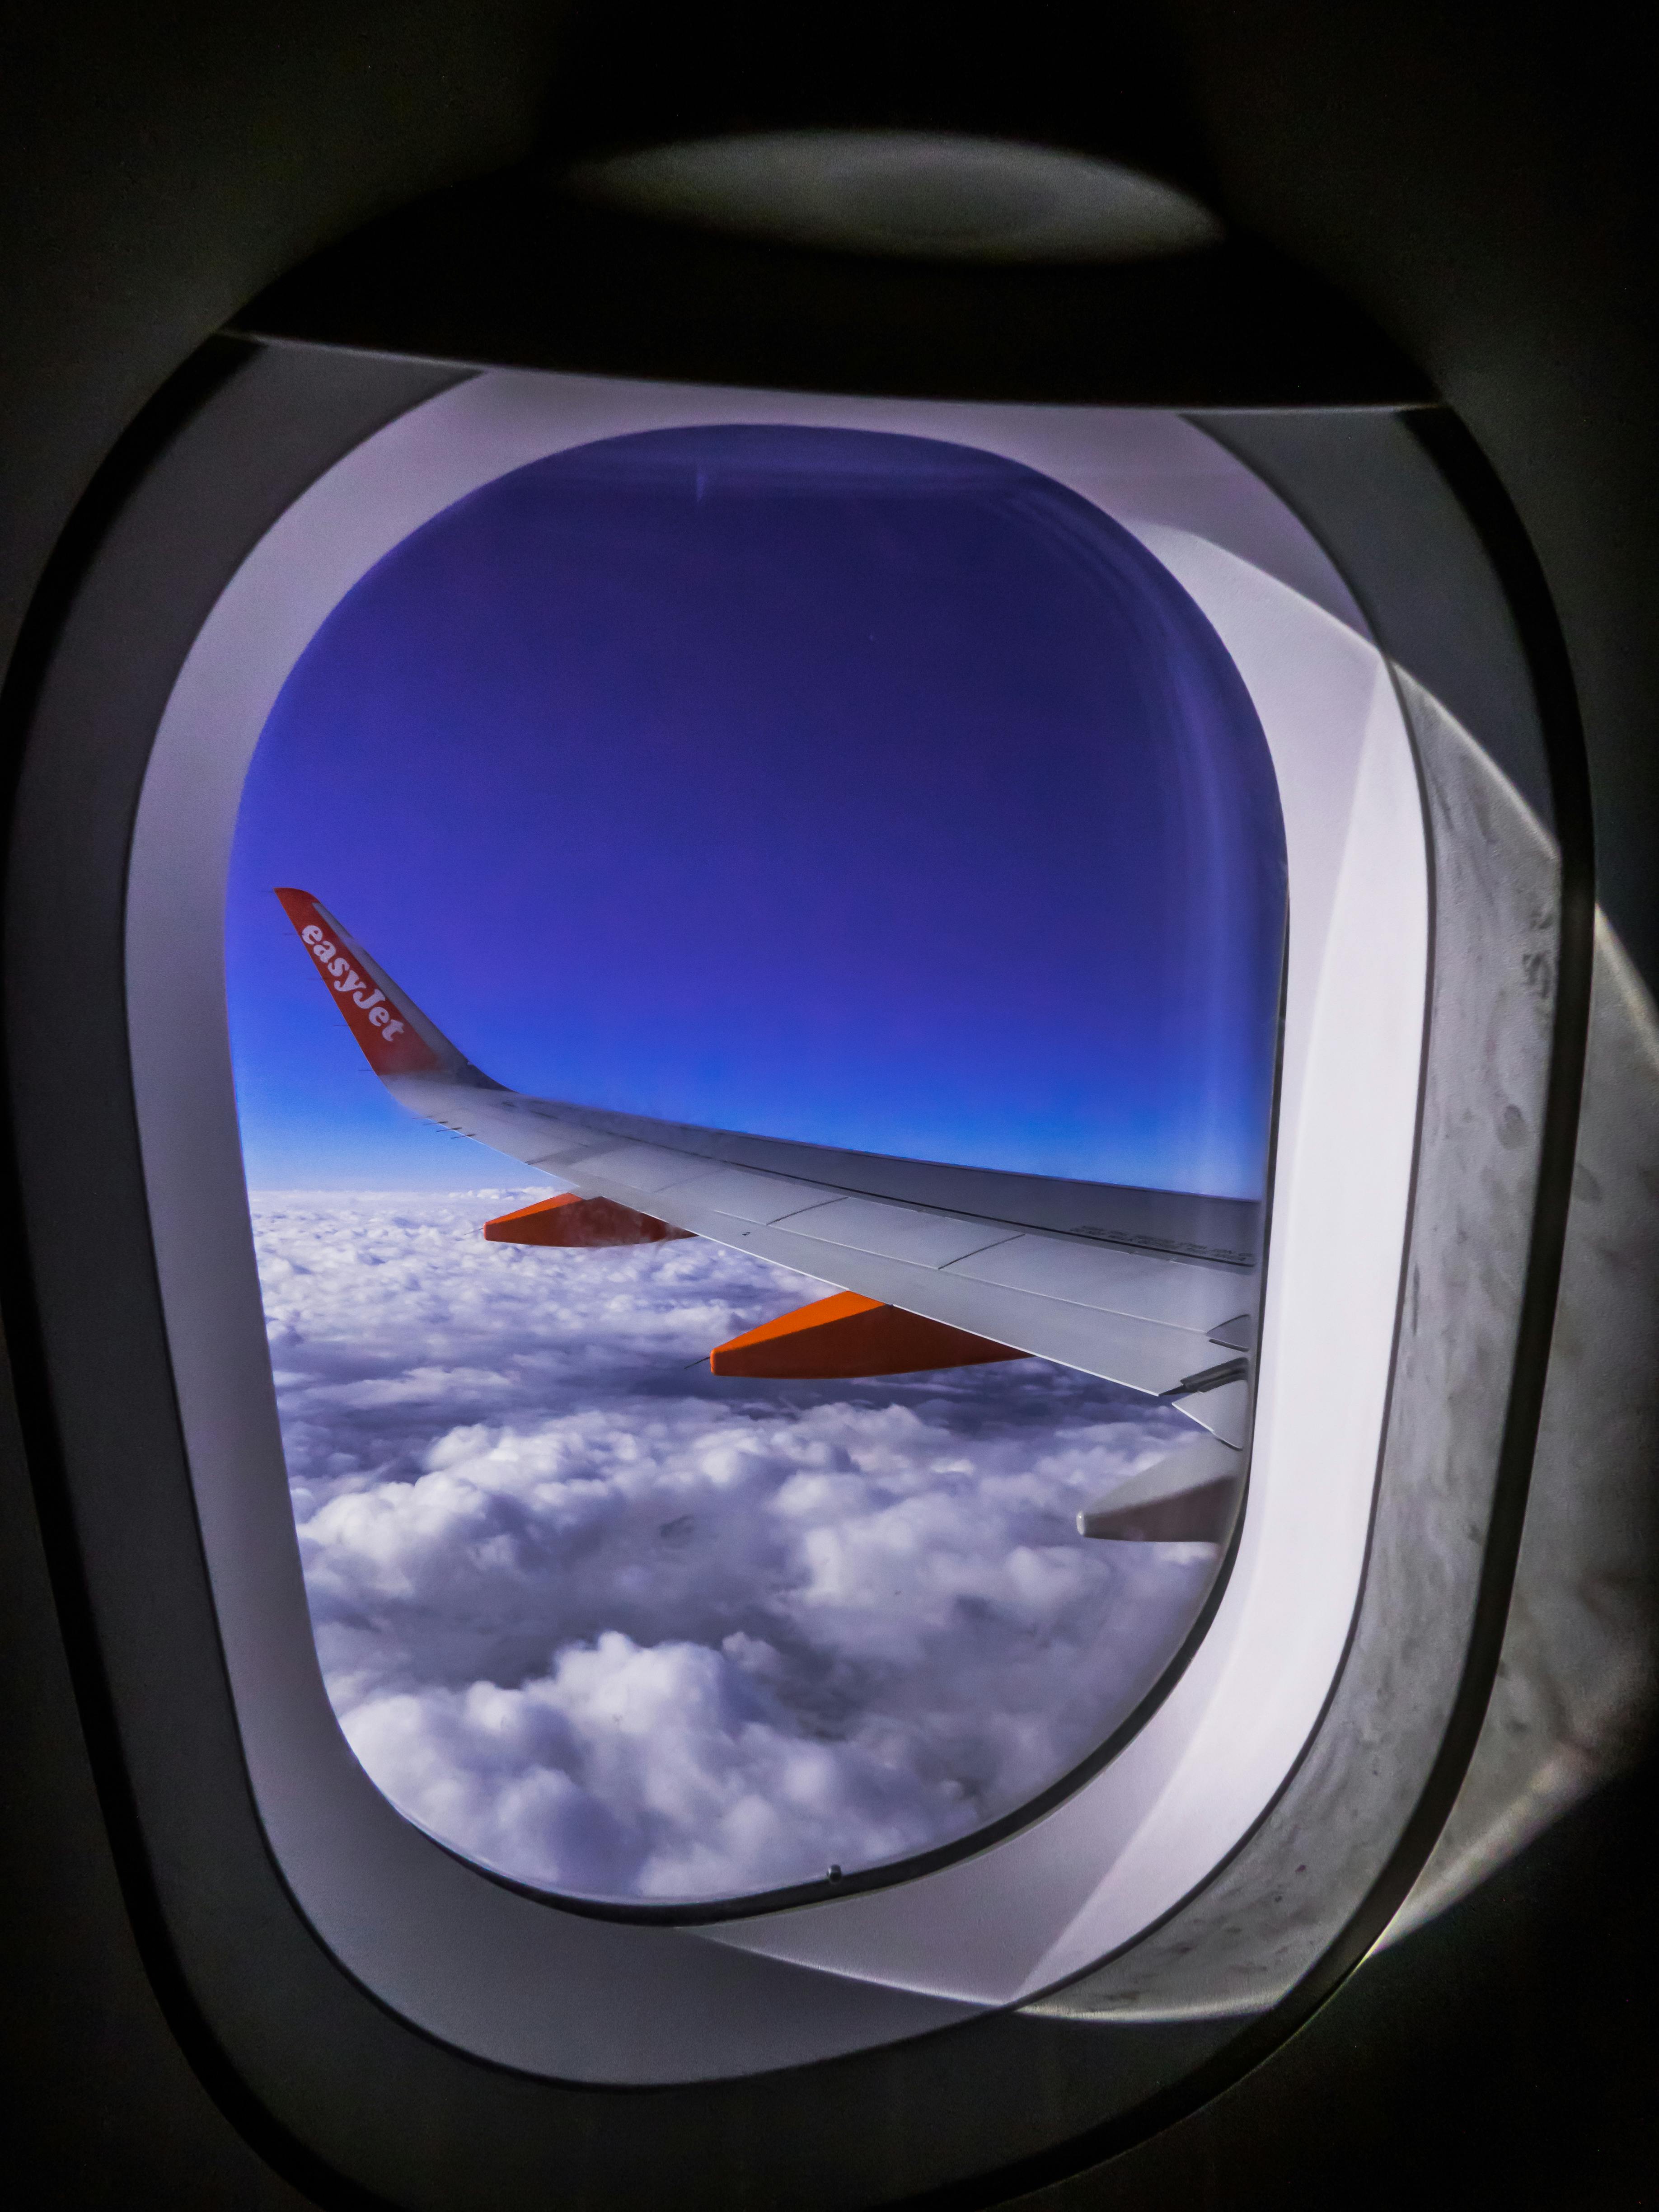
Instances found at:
x=827 y=785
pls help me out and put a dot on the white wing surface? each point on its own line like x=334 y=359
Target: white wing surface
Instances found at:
x=1156 y=1289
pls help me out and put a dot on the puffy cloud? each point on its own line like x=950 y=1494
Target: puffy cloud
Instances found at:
x=614 y=1625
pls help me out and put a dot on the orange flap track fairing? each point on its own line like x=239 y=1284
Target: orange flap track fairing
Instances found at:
x=579 y=1224
x=842 y=1338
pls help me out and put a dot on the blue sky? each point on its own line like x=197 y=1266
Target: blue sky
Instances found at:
x=831 y=784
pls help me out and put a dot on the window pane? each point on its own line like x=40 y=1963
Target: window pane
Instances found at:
x=839 y=786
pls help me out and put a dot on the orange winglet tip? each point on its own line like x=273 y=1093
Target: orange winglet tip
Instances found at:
x=580 y=1225
x=845 y=1336
x=380 y=1021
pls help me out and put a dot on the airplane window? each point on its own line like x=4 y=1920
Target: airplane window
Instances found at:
x=783 y=1388
x=762 y=1283
x=790 y=1169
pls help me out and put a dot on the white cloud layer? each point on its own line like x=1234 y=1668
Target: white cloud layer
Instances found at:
x=616 y=1627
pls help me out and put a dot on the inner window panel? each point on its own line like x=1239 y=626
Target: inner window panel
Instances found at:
x=859 y=791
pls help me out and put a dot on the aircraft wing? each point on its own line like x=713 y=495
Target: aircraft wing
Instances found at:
x=1156 y=1289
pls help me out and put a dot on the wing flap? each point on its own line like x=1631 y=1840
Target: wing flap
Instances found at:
x=642 y=1167
x=898 y=1232
x=745 y=1195
x=1108 y=1279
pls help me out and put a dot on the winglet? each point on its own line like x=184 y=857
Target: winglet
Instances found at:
x=396 y=1036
